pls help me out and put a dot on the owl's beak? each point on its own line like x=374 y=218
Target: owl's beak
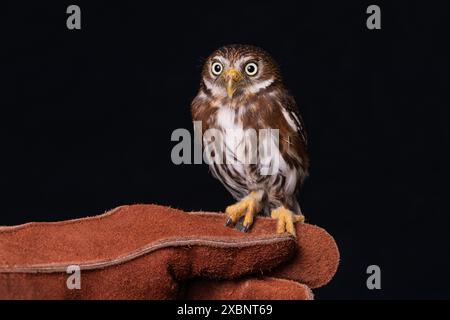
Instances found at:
x=232 y=76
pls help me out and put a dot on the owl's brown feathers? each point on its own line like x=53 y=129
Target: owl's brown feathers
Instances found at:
x=234 y=97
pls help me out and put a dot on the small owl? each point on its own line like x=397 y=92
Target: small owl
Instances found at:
x=241 y=90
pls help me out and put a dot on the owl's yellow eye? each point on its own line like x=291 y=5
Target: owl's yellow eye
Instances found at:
x=251 y=68
x=216 y=68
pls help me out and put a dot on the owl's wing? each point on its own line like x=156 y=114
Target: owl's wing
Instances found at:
x=293 y=112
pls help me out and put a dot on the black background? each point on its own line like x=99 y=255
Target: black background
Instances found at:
x=87 y=116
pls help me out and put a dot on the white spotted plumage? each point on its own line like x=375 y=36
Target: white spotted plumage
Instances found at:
x=260 y=103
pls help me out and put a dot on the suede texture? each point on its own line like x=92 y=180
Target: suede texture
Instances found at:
x=156 y=252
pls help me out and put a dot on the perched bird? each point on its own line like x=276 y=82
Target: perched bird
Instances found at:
x=241 y=88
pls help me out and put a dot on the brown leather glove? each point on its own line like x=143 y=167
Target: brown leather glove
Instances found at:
x=154 y=252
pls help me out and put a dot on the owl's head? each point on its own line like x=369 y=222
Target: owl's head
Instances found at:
x=236 y=70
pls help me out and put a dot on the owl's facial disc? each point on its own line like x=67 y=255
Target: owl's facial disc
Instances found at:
x=230 y=76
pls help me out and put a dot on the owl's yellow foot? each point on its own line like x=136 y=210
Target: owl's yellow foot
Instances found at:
x=286 y=219
x=249 y=206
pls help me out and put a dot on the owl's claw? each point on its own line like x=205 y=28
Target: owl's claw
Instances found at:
x=248 y=207
x=286 y=219
x=229 y=222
